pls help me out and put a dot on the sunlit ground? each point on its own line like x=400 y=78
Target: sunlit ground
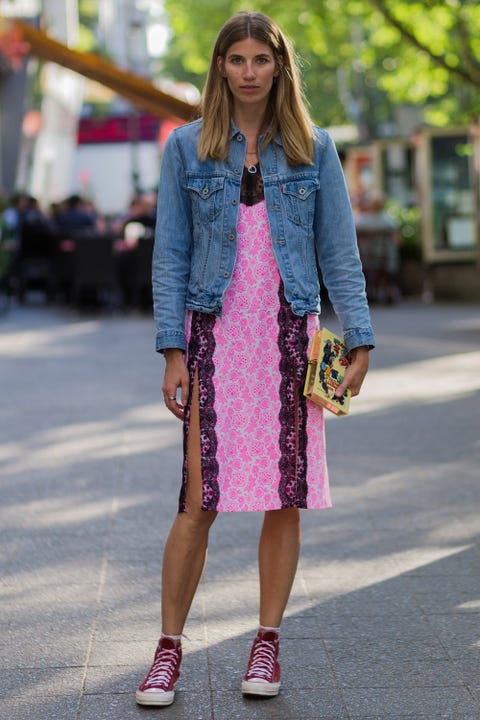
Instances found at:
x=90 y=466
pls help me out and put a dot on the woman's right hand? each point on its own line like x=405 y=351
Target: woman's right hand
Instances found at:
x=176 y=376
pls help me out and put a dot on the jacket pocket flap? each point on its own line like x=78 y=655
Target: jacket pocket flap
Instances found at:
x=300 y=189
x=205 y=186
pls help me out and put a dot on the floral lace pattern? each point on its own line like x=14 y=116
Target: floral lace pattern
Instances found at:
x=251 y=363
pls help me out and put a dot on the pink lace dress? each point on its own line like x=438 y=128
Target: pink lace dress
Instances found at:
x=262 y=443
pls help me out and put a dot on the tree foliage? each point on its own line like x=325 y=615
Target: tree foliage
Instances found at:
x=360 y=58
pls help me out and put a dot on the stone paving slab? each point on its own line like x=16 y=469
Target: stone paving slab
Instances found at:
x=384 y=701
x=45 y=682
x=33 y=706
x=395 y=673
x=415 y=716
x=309 y=704
x=187 y=706
x=384 y=617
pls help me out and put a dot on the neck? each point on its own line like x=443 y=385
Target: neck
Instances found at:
x=250 y=120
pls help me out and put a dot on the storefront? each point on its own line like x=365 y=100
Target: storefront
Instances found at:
x=447 y=177
x=436 y=171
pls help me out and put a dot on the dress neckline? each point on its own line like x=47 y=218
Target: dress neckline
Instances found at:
x=251 y=191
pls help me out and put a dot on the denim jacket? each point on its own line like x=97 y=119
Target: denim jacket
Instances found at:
x=310 y=219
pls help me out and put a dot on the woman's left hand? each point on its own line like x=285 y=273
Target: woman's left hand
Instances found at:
x=355 y=372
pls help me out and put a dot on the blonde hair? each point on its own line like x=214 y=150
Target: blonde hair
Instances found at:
x=287 y=107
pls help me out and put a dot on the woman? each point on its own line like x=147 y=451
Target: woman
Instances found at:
x=250 y=195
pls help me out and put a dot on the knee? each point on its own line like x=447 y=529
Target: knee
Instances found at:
x=196 y=519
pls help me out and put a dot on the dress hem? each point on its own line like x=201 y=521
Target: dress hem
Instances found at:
x=327 y=506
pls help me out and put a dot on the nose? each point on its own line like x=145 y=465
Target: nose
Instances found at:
x=249 y=70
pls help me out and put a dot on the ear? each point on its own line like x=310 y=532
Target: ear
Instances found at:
x=220 y=65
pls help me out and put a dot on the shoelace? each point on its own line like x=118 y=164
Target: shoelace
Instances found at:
x=163 y=667
x=263 y=659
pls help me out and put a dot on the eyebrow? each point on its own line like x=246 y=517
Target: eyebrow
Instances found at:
x=260 y=55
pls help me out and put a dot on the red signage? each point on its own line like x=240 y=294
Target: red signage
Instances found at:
x=119 y=129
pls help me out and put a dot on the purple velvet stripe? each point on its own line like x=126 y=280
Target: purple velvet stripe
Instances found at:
x=292 y=343
x=201 y=347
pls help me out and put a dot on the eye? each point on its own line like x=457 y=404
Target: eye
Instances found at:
x=262 y=60
x=235 y=60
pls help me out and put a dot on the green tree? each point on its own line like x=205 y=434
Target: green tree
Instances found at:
x=433 y=55
x=360 y=58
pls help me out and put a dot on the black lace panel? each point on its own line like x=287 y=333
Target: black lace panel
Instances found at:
x=252 y=187
x=292 y=343
x=201 y=348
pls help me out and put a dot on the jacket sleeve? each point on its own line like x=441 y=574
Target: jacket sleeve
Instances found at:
x=172 y=249
x=337 y=248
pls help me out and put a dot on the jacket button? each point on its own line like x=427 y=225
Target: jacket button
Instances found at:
x=239 y=138
x=302 y=191
x=237 y=171
x=234 y=202
x=231 y=236
x=226 y=274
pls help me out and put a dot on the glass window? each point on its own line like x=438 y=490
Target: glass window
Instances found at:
x=453 y=199
x=397 y=171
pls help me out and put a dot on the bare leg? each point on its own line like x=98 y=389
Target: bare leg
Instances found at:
x=186 y=546
x=278 y=558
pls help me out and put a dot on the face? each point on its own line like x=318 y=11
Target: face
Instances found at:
x=249 y=67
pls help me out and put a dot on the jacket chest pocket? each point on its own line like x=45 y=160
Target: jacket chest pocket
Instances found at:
x=206 y=195
x=299 y=199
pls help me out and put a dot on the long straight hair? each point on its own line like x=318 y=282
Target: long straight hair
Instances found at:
x=287 y=109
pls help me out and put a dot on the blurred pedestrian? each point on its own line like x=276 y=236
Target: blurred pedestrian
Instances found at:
x=75 y=216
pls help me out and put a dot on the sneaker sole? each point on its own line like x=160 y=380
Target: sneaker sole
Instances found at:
x=259 y=688
x=154 y=699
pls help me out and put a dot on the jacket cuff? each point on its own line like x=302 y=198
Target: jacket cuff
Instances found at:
x=166 y=340
x=359 y=337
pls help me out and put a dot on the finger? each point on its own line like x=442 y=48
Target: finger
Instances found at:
x=350 y=382
x=178 y=412
x=355 y=390
x=353 y=385
x=174 y=406
x=341 y=390
x=185 y=391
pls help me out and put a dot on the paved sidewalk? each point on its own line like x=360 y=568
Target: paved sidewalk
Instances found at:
x=384 y=620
